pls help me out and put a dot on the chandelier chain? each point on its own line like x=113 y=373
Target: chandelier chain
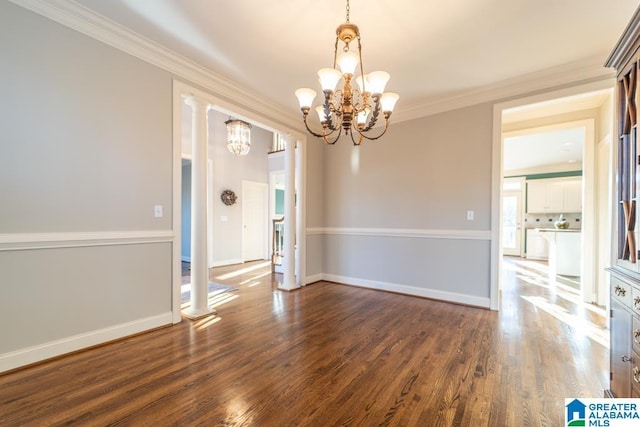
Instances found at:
x=348 y=10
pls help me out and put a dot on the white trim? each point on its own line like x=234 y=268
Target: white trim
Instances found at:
x=37 y=353
x=98 y=27
x=176 y=205
x=315 y=231
x=410 y=290
x=314 y=278
x=301 y=212
x=590 y=69
x=417 y=233
x=26 y=241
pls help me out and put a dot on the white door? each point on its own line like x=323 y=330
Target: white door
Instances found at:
x=511 y=223
x=255 y=199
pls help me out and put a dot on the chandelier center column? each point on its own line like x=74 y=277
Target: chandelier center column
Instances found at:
x=199 y=268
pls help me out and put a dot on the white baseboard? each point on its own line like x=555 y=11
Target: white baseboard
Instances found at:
x=314 y=278
x=226 y=262
x=51 y=349
x=410 y=290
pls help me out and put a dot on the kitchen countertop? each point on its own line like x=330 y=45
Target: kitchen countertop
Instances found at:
x=559 y=230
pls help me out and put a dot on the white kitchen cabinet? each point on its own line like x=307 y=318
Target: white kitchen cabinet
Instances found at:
x=554 y=195
x=537 y=245
x=565 y=251
x=572 y=194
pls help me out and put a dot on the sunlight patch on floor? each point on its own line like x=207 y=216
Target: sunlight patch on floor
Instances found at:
x=245 y=270
x=581 y=326
x=206 y=322
x=221 y=299
x=215 y=299
x=254 y=278
x=537 y=274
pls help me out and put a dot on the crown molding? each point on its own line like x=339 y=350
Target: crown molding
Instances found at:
x=568 y=74
x=81 y=19
x=623 y=51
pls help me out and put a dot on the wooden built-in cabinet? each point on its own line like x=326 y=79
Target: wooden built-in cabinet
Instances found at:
x=625 y=274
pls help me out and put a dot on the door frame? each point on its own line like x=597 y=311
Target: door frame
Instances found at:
x=589 y=223
x=521 y=209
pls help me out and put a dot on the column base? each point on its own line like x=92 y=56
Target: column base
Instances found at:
x=282 y=287
x=193 y=314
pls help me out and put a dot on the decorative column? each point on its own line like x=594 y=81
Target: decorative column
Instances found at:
x=199 y=269
x=301 y=224
x=288 y=261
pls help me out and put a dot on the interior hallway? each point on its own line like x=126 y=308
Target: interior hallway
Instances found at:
x=330 y=354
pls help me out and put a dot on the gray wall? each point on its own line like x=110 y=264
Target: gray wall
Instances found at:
x=86 y=147
x=86 y=132
x=424 y=175
x=315 y=202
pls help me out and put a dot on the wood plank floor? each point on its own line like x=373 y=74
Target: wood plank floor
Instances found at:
x=332 y=355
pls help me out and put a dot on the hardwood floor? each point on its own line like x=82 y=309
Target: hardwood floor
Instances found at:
x=329 y=355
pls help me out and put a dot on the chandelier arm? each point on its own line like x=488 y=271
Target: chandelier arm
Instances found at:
x=335 y=52
x=327 y=111
x=373 y=138
x=326 y=140
x=354 y=141
x=306 y=125
x=374 y=115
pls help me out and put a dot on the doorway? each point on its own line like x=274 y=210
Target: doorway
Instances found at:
x=255 y=205
x=586 y=106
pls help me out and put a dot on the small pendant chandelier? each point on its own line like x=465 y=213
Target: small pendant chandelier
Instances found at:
x=352 y=109
x=238 y=137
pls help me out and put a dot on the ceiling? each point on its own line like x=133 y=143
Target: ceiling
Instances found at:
x=432 y=49
x=562 y=148
x=535 y=150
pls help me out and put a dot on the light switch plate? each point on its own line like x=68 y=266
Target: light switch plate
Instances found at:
x=157 y=211
x=469 y=215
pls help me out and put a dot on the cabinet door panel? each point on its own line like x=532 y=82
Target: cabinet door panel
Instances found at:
x=555 y=196
x=620 y=350
x=537 y=246
x=536 y=196
x=573 y=196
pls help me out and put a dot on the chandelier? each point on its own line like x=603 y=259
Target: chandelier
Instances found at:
x=354 y=109
x=238 y=137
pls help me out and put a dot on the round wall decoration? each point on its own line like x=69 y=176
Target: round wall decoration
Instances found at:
x=228 y=197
